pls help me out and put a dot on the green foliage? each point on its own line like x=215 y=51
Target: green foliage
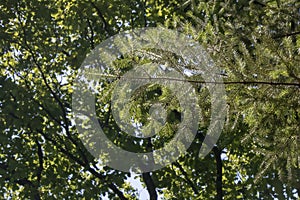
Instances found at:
x=256 y=44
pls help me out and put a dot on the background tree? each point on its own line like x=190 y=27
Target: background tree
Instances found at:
x=255 y=43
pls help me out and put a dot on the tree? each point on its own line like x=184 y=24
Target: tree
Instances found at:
x=255 y=44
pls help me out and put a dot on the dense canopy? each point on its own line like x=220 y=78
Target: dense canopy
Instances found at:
x=256 y=46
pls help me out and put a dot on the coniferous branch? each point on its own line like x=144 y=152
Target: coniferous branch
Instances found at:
x=200 y=81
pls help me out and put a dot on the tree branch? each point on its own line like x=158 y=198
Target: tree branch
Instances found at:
x=150 y=185
x=219 y=185
x=41 y=160
x=147 y=176
x=112 y=186
x=65 y=123
x=217 y=152
x=24 y=182
x=286 y=35
x=105 y=24
x=92 y=34
x=204 y=82
x=144 y=2
x=186 y=178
